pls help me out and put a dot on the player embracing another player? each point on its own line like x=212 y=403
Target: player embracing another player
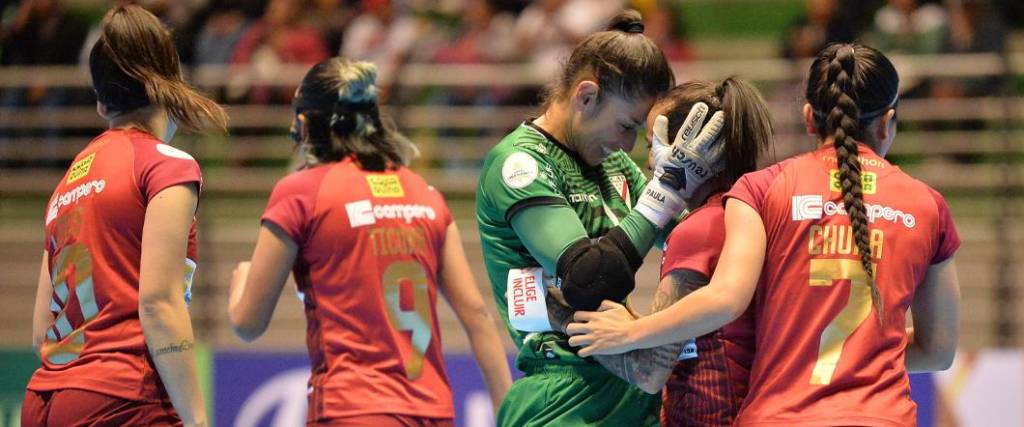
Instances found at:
x=831 y=248
x=370 y=244
x=566 y=217
x=110 y=321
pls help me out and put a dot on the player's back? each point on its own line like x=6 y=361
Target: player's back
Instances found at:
x=822 y=355
x=94 y=225
x=367 y=271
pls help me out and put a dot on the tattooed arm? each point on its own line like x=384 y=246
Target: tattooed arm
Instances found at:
x=647 y=368
x=166 y=325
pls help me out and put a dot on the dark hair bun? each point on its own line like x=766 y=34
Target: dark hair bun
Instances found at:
x=629 y=21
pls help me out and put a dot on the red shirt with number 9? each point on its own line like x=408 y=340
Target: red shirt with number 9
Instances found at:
x=367 y=272
x=821 y=353
x=94 y=227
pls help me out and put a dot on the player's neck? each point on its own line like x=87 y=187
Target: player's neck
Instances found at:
x=554 y=121
x=149 y=119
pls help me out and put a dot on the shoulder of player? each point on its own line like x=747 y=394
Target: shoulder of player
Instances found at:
x=303 y=181
x=146 y=145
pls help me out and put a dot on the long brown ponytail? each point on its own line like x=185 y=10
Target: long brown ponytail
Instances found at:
x=136 y=52
x=848 y=86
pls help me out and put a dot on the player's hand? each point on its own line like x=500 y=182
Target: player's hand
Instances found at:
x=606 y=331
x=238 y=278
x=696 y=153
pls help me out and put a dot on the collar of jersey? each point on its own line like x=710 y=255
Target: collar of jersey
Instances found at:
x=551 y=138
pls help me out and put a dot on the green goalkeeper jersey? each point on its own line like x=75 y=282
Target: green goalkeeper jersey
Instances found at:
x=529 y=168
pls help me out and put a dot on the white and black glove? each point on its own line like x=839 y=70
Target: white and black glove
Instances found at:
x=694 y=157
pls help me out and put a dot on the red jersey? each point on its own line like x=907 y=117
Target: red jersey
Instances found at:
x=709 y=389
x=370 y=246
x=822 y=355
x=94 y=242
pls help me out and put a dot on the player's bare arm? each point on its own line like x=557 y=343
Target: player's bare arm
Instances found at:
x=256 y=286
x=41 y=315
x=165 y=320
x=460 y=290
x=936 y=315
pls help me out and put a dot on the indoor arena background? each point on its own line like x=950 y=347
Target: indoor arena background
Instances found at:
x=458 y=75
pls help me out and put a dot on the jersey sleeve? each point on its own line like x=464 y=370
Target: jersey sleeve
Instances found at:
x=695 y=243
x=291 y=205
x=158 y=166
x=519 y=178
x=948 y=238
x=752 y=188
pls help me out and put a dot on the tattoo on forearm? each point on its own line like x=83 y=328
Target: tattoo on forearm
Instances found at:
x=185 y=345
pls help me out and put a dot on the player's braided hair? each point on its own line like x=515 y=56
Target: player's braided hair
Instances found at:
x=338 y=97
x=850 y=85
x=621 y=59
x=135 y=64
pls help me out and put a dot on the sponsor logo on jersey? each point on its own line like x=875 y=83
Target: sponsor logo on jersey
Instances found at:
x=364 y=212
x=385 y=186
x=81 y=168
x=72 y=196
x=806 y=207
x=519 y=170
x=868 y=182
x=812 y=207
x=582 y=198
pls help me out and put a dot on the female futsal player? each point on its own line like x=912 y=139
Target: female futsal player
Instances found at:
x=110 y=320
x=565 y=218
x=370 y=244
x=707 y=390
x=833 y=246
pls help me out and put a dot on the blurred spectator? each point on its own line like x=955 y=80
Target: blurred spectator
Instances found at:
x=484 y=36
x=382 y=35
x=547 y=30
x=662 y=24
x=333 y=17
x=820 y=25
x=41 y=33
x=220 y=34
x=973 y=29
x=279 y=37
x=907 y=26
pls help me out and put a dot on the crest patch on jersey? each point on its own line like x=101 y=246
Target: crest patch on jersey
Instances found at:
x=385 y=186
x=519 y=170
x=81 y=168
x=169 y=151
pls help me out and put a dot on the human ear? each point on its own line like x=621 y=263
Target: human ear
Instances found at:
x=585 y=96
x=809 y=125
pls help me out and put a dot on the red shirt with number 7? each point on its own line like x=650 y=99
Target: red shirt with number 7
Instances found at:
x=822 y=356
x=370 y=246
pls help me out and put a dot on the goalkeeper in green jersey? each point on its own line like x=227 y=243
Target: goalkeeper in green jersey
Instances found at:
x=566 y=217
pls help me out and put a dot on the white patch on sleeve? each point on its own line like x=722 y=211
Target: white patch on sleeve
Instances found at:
x=519 y=170
x=169 y=151
x=526 y=297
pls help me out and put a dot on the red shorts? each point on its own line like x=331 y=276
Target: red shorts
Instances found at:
x=72 y=407
x=385 y=420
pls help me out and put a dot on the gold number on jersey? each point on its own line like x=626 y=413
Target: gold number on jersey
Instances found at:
x=71 y=273
x=824 y=272
x=400 y=279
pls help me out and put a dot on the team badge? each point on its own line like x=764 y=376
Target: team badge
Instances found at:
x=621 y=186
x=519 y=170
